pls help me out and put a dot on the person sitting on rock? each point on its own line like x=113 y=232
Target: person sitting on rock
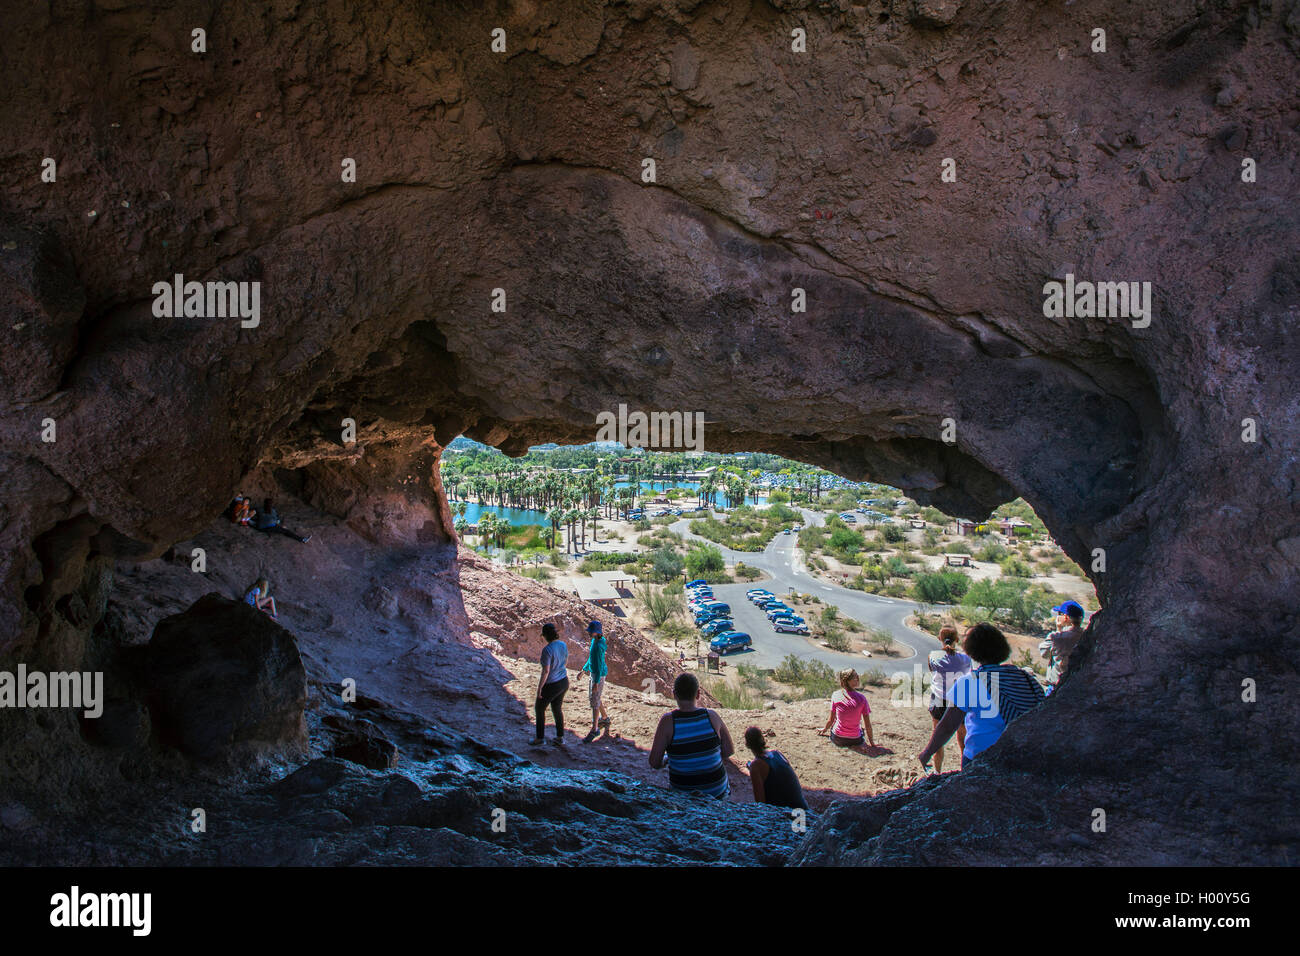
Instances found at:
x=850 y=713
x=595 y=666
x=552 y=685
x=987 y=699
x=259 y=596
x=241 y=510
x=268 y=520
x=695 y=742
x=773 y=779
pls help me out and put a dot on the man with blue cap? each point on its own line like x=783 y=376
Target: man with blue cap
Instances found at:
x=595 y=666
x=1060 y=644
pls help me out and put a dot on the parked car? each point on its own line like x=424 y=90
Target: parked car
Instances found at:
x=697 y=583
x=719 y=606
x=756 y=596
x=789 y=617
x=705 y=616
x=767 y=601
x=786 y=626
x=721 y=625
x=777 y=610
x=726 y=643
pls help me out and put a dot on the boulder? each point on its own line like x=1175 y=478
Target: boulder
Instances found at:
x=224 y=681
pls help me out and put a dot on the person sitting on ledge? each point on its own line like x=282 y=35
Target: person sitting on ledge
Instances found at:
x=695 y=742
x=259 y=596
x=241 y=510
x=850 y=713
x=268 y=520
x=988 y=698
x=771 y=775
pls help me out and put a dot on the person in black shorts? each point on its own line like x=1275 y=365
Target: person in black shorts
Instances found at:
x=946 y=666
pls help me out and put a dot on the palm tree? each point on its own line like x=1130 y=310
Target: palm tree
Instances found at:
x=486 y=527
x=554 y=516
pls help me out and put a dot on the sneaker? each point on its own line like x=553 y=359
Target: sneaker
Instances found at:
x=538 y=742
x=591 y=735
x=603 y=722
x=558 y=742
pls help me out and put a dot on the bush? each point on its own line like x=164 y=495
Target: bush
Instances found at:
x=892 y=533
x=940 y=587
x=606 y=561
x=732 y=698
x=813 y=677
x=879 y=639
x=845 y=542
x=659 y=606
x=743 y=570
x=667 y=564
x=1014 y=567
x=992 y=552
x=705 y=561
x=836 y=639
x=874 y=677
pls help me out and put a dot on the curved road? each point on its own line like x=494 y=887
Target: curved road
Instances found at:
x=783 y=562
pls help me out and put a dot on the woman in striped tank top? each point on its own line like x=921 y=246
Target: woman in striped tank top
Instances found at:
x=695 y=741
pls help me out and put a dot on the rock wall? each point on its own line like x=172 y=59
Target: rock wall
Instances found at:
x=775 y=170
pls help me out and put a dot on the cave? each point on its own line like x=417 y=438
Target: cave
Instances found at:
x=500 y=266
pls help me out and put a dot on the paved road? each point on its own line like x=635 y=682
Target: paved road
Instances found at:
x=784 y=562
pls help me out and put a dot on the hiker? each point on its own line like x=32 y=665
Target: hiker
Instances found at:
x=259 y=596
x=850 y=712
x=240 y=511
x=552 y=684
x=1060 y=644
x=946 y=666
x=988 y=698
x=695 y=742
x=595 y=666
x=771 y=775
x=268 y=520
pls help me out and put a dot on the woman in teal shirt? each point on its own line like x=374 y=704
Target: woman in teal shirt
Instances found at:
x=595 y=666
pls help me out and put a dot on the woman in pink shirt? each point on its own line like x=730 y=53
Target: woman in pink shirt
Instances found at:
x=849 y=713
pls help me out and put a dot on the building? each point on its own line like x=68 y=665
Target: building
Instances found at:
x=604 y=588
x=965 y=526
x=957 y=560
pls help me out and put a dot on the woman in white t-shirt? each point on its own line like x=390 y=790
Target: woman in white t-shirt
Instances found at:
x=946 y=667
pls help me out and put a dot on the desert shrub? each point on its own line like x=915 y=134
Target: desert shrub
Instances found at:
x=813 y=678
x=892 y=533
x=704 y=561
x=940 y=587
x=732 y=697
x=667 y=564
x=659 y=606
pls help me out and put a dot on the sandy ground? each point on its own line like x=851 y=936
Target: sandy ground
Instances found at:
x=827 y=772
